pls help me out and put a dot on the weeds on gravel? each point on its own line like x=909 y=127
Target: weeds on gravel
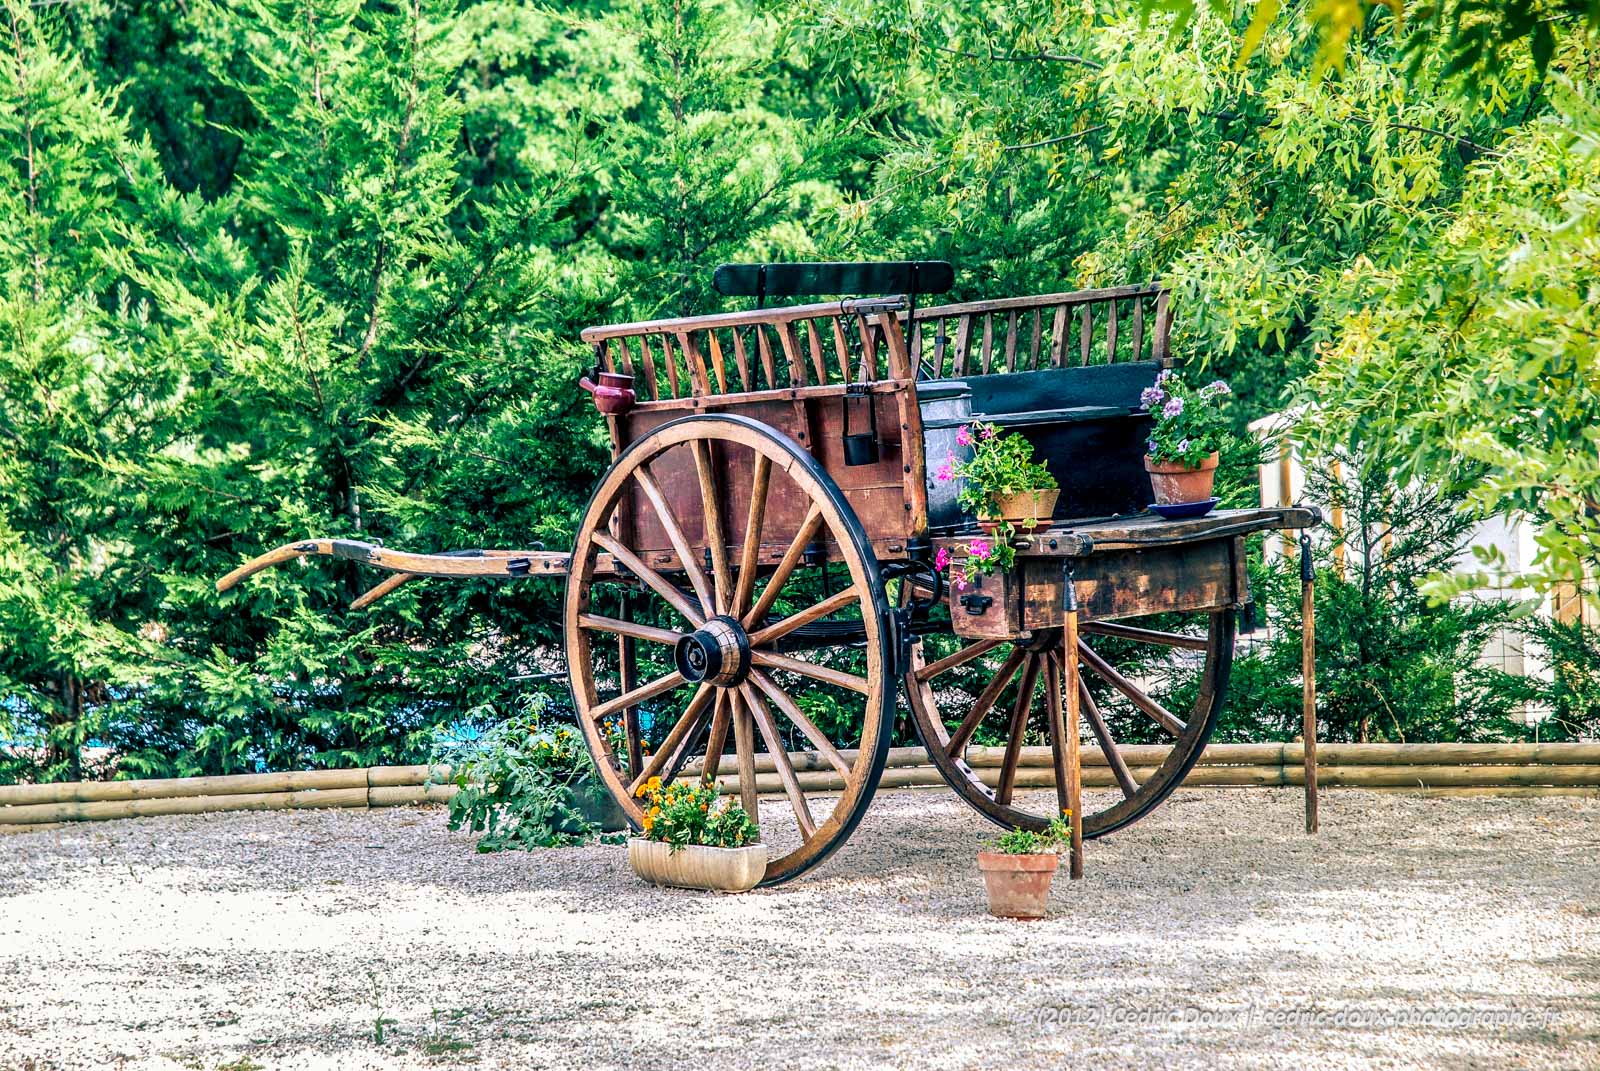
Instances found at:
x=525 y=785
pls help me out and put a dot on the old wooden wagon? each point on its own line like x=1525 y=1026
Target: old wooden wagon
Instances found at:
x=752 y=589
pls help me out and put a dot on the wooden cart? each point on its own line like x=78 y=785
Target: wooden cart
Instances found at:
x=751 y=587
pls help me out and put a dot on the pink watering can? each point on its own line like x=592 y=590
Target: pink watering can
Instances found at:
x=613 y=395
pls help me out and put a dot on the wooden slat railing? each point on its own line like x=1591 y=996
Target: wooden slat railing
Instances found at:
x=829 y=344
x=1108 y=326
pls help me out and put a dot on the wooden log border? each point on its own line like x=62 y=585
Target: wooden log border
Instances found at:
x=1510 y=770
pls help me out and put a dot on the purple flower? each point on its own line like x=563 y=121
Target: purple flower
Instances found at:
x=1174 y=407
x=1217 y=387
x=1152 y=396
x=987 y=431
x=941 y=560
x=1166 y=374
x=963 y=436
x=1183 y=447
x=947 y=471
x=980 y=549
x=1149 y=446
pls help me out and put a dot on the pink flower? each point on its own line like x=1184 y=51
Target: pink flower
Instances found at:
x=963 y=436
x=961 y=583
x=947 y=471
x=980 y=549
x=941 y=560
x=988 y=431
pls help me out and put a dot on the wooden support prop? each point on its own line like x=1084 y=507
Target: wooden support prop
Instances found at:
x=1308 y=673
x=1070 y=693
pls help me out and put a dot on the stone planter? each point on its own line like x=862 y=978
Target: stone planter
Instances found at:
x=1028 y=506
x=1175 y=484
x=1019 y=885
x=731 y=870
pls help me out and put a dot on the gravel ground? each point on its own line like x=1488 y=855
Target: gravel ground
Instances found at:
x=1410 y=933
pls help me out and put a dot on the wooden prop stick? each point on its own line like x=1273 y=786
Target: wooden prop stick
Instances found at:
x=1070 y=693
x=1308 y=674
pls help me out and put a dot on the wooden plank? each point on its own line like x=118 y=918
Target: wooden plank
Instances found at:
x=869 y=349
x=791 y=354
x=1111 y=333
x=718 y=365
x=649 y=368
x=1033 y=348
x=1160 y=342
x=963 y=344
x=1058 y=337
x=988 y=342
x=1138 y=329
x=1086 y=333
x=768 y=365
x=741 y=358
x=814 y=344
x=1011 y=341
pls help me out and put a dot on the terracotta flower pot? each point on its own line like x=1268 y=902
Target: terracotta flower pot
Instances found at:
x=698 y=867
x=1026 y=506
x=1019 y=885
x=1174 y=484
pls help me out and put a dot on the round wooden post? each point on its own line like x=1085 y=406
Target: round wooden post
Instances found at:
x=1070 y=695
x=1308 y=673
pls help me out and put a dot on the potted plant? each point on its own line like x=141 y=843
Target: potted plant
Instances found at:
x=1184 y=444
x=1018 y=867
x=1001 y=483
x=693 y=839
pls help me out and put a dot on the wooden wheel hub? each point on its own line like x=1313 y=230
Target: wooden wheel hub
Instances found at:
x=717 y=653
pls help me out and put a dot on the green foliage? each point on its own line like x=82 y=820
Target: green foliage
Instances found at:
x=999 y=465
x=1392 y=665
x=684 y=813
x=1572 y=695
x=1056 y=838
x=301 y=267
x=523 y=784
x=1189 y=424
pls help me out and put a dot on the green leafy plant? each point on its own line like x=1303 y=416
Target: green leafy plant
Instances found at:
x=522 y=785
x=979 y=556
x=999 y=465
x=1056 y=838
x=684 y=813
x=1190 y=424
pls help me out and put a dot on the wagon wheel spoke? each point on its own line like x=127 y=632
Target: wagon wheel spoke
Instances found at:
x=688 y=722
x=1108 y=743
x=1056 y=728
x=745 y=746
x=717 y=740
x=750 y=550
x=786 y=566
x=716 y=538
x=1144 y=635
x=659 y=583
x=791 y=710
x=953 y=661
x=1103 y=669
x=634 y=697
x=986 y=699
x=779 y=629
x=780 y=760
x=675 y=536
x=826 y=674
x=1018 y=729
x=637 y=631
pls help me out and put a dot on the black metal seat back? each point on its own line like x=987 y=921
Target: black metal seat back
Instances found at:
x=834 y=278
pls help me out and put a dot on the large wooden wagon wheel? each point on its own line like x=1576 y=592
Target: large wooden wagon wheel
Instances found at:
x=1018 y=678
x=737 y=637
